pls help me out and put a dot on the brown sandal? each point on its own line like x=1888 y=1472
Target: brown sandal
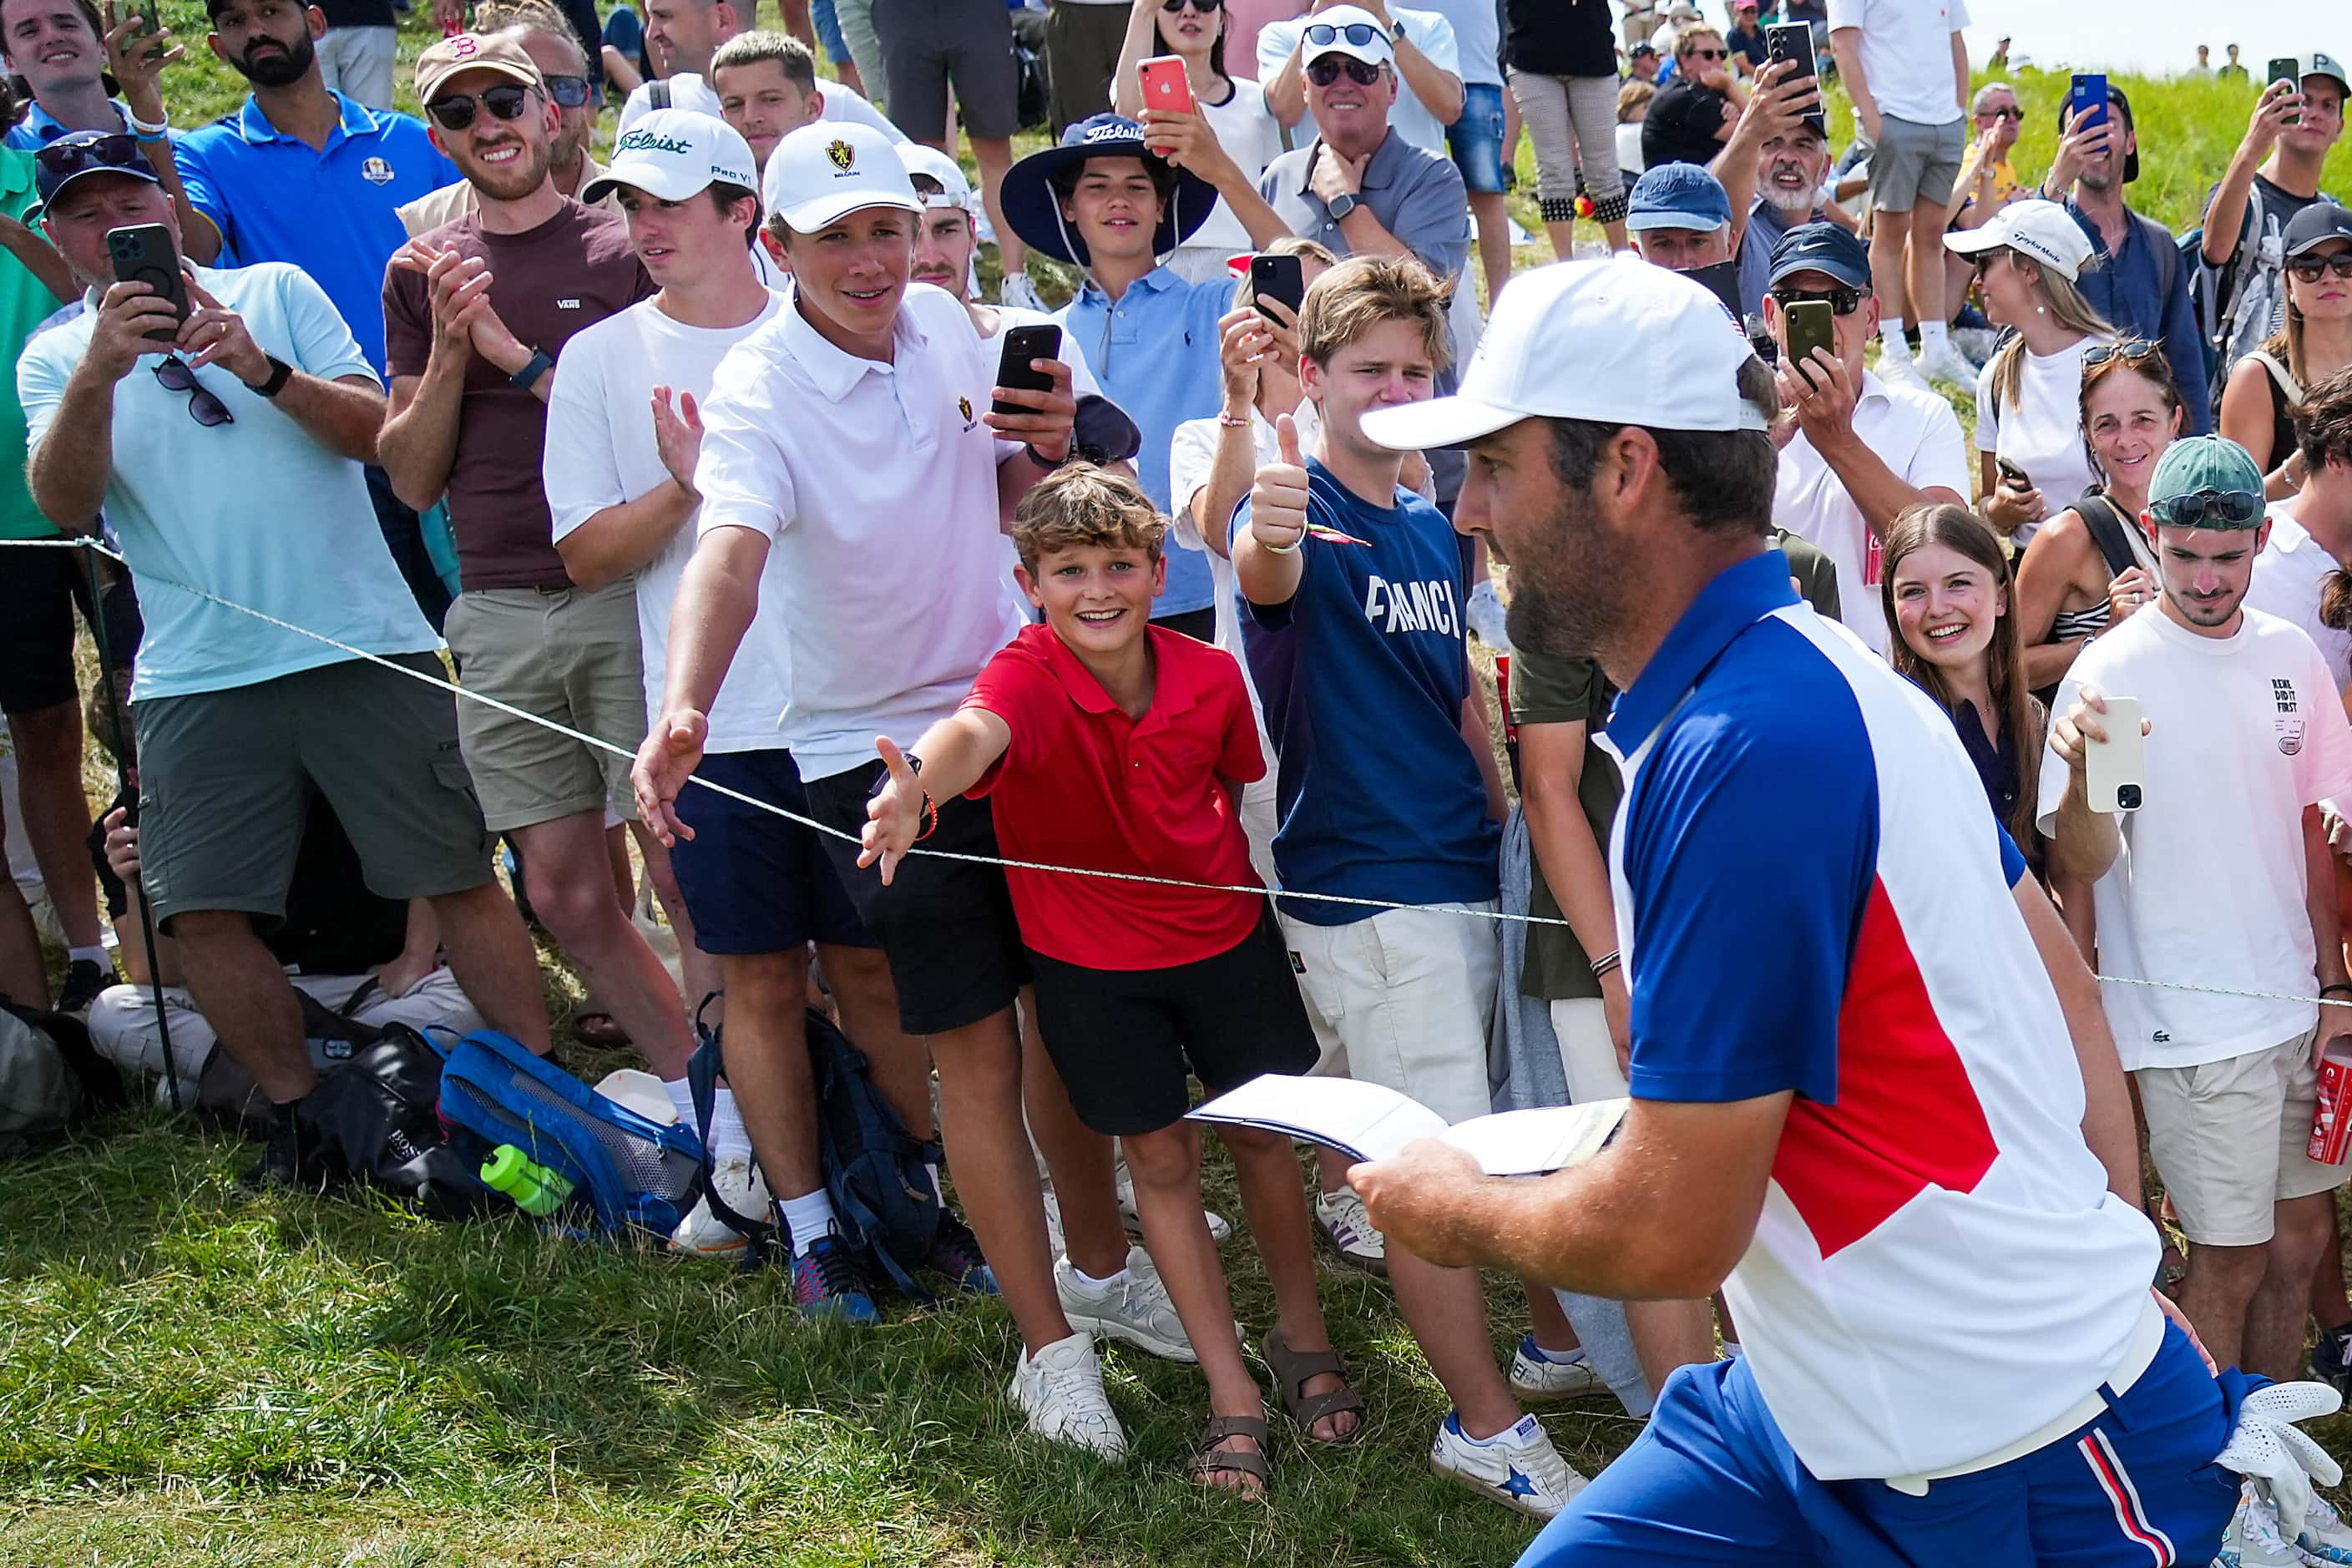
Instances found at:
x=1212 y=1460
x=1292 y=1371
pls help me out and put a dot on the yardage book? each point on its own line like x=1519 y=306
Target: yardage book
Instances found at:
x=1373 y=1123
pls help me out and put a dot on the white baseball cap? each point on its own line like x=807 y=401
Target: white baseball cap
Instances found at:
x=955 y=187
x=675 y=154
x=1354 y=32
x=1618 y=341
x=825 y=171
x=2042 y=230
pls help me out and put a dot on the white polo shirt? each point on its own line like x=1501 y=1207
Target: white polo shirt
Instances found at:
x=2289 y=575
x=876 y=486
x=687 y=90
x=1914 y=432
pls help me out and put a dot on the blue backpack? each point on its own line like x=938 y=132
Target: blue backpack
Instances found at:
x=627 y=1172
x=875 y=1170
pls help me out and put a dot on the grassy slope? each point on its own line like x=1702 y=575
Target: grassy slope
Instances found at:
x=190 y=1376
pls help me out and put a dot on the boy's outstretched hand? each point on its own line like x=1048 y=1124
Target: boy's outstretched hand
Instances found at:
x=894 y=816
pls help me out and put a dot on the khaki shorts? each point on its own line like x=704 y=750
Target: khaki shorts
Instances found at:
x=1404 y=1000
x=567 y=655
x=2227 y=1138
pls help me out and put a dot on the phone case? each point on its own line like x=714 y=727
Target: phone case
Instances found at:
x=2089 y=94
x=2112 y=773
x=1165 y=85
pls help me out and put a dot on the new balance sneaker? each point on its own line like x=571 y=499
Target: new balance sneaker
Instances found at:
x=1342 y=1219
x=826 y=1283
x=1134 y=1307
x=1221 y=1229
x=1538 y=1374
x=1059 y=1392
x=1942 y=362
x=2331 y=1358
x=85 y=978
x=740 y=1188
x=2325 y=1537
x=955 y=1257
x=1518 y=1469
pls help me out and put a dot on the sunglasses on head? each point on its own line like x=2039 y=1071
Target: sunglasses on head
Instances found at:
x=569 y=91
x=206 y=410
x=1326 y=71
x=2131 y=351
x=455 y=111
x=2307 y=268
x=1841 y=301
x=2206 y=509
x=1203 y=6
x=119 y=151
x=1357 y=33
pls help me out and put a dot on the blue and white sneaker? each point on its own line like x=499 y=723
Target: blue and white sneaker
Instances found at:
x=1540 y=1373
x=1518 y=1469
x=2325 y=1537
x=826 y=1283
x=2253 y=1539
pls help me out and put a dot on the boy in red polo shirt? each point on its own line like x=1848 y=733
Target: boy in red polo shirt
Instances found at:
x=1108 y=743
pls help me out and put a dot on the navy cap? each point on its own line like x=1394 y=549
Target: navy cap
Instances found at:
x=2314 y=226
x=1678 y=196
x=59 y=164
x=1034 y=212
x=1822 y=248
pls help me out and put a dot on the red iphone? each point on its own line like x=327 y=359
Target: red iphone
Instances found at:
x=1165 y=85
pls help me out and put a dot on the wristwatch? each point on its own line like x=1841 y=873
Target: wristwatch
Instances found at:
x=1396 y=32
x=280 y=373
x=539 y=364
x=1340 y=205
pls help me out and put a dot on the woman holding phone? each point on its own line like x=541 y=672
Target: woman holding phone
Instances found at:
x=2029 y=418
x=1193 y=31
x=2258 y=403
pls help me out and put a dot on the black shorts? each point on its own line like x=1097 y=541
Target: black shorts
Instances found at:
x=753 y=881
x=39 y=590
x=1124 y=1039
x=946 y=926
x=924 y=43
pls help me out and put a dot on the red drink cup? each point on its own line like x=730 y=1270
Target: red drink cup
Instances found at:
x=2331 y=1123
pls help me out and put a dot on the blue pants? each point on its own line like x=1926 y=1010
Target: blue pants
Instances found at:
x=1713 y=1480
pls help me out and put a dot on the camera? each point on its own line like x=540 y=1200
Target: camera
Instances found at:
x=2128 y=798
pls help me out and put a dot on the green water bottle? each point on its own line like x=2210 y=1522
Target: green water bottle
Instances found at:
x=535 y=1189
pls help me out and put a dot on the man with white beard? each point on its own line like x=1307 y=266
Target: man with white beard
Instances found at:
x=1773 y=169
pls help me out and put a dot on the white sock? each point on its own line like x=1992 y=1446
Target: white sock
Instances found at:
x=681 y=1099
x=809 y=1217
x=726 y=1133
x=1891 y=339
x=1518 y=1434
x=93 y=954
x=1930 y=334
x=1108 y=1279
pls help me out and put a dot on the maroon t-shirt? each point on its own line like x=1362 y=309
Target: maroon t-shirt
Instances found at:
x=546 y=283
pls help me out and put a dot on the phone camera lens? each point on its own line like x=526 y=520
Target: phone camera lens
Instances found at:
x=2128 y=798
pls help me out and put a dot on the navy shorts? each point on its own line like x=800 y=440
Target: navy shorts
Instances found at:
x=753 y=881
x=1475 y=139
x=1712 y=1480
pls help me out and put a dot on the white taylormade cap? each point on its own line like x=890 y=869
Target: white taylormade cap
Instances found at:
x=955 y=187
x=1619 y=341
x=2042 y=231
x=825 y=171
x=675 y=154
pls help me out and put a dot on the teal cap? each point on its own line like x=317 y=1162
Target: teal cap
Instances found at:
x=2207 y=481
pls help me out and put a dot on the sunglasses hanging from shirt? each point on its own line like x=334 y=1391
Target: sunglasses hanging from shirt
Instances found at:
x=178 y=375
x=457 y=111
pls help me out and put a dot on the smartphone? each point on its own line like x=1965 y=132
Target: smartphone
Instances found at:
x=150 y=25
x=145 y=254
x=2087 y=98
x=1277 y=277
x=2112 y=771
x=1812 y=324
x=2013 y=474
x=1165 y=85
x=2288 y=69
x=1794 y=41
x=1023 y=345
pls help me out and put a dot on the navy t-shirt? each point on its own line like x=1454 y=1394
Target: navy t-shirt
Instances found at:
x=1362 y=677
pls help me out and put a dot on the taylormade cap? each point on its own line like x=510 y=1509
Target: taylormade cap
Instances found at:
x=1348 y=30
x=474 y=52
x=1563 y=343
x=825 y=171
x=2042 y=230
x=2207 y=481
x=955 y=187
x=1678 y=196
x=675 y=154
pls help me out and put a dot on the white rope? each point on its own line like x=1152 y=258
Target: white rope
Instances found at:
x=832 y=832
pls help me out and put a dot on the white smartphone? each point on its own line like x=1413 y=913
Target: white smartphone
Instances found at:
x=2112 y=771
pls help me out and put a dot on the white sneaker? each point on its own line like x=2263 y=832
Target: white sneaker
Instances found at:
x=1221 y=1229
x=1520 y=1470
x=1900 y=370
x=1018 y=290
x=1347 y=1226
x=741 y=1188
x=1539 y=1375
x=1484 y=615
x=1942 y=362
x=1059 y=1391
x=2253 y=1539
x=1134 y=1307
x=2325 y=1535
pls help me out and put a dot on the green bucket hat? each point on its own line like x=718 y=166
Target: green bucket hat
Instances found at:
x=2207 y=481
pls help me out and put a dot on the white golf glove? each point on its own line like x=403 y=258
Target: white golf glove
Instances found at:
x=2268 y=1450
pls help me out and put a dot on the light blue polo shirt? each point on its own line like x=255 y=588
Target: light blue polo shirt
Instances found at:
x=333 y=213
x=1155 y=354
x=257 y=511
x=39 y=127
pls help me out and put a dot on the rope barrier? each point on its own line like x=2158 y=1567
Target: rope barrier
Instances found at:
x=145 y=578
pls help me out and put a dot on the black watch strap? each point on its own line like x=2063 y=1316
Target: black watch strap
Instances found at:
x=280 y=373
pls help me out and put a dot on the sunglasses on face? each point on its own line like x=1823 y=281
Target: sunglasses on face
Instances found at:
x=2131 y=351
x=1322 y=33
x=202 y=407
x=1841 y=301
x=116 y=151
x=1985 y=258
x=1709 y=54
x=2231 y=508
x=2309 y=269
x=569 y=91
x=1326 y=71
x=1203 y=6
x=455 y=111
x=2017 y=114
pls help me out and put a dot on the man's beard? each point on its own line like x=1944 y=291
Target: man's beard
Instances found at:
x=281 y=67
x=510 y=181
x=1798 y=204
x=1568 y=598
x=2100 y=179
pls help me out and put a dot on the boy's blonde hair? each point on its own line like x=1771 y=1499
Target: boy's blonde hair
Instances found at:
x=1365 y=290
x=1081 y=504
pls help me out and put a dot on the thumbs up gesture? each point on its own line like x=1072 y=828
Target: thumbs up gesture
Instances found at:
x=1278 y=497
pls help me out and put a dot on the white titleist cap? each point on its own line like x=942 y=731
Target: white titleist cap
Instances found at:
x=2042 y=231
x=1618 y=343
x=675 y=154
x=823 y=172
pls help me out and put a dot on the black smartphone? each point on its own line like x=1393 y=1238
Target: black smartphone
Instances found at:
x=1812 y=324
x=2086 y=99
x=144 y=254
x=2288 y=69
x=2015 y=476
x=1023 y=345
x=152 y=25
x=1794 y=41
x=1277 y=277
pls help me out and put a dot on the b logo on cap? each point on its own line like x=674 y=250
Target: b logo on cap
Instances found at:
x=844 y=156
x=463 y=46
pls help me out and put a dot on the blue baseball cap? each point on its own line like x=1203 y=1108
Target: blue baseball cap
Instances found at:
x=1678 y=196
x=59 y=164
x=1822 y=246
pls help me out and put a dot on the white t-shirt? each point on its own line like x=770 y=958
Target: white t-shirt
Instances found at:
x=1477 y=40
x=601 y=453
x=687 y=90
x=2244 y=732
x=1906 y=54
x=1252 y=137
x=2289 y=574
x=1917 y=435
x=2042 y=430
x=1629 y=150
x=876 y=485
x=1427 y=31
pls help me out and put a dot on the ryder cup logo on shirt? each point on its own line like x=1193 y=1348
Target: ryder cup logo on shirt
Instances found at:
x=376 y=172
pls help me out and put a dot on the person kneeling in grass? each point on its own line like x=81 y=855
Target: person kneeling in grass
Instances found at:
x=1107 y=743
